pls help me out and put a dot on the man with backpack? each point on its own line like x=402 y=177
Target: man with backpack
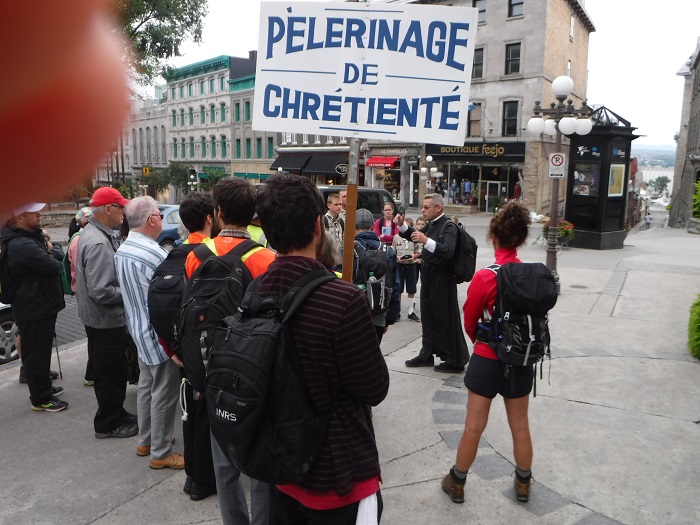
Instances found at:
x=376 y=262
x=234 y=206
x=332 y=221
x=164 y=300
x=440 y=318
x=30 y=279
x=342 y=366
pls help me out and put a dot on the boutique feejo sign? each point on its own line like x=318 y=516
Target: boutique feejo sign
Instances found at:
x=399 y=72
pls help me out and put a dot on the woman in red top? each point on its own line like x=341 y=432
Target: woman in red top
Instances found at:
x=385 y=227
x=485 y=378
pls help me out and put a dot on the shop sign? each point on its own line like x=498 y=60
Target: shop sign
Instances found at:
x=507 y=151
x=341 y=169
x=401 y=73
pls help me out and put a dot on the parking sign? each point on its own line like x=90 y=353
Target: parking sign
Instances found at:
x=557 y=165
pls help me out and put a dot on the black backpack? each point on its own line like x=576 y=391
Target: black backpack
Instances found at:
x=518 y=332
x=378 y=263
x=167 y=289
x=214 y=291
x=259 y=408
x=464 y=258
x=8 y=285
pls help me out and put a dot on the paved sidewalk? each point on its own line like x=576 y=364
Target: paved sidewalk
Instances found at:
x=615 y=422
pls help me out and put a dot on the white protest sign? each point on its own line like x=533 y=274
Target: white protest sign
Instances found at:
x=382 y=71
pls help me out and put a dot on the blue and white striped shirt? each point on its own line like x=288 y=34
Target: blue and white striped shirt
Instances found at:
x=136 y=260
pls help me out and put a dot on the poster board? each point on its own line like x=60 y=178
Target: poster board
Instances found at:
x=616 y=181
x=380 y=71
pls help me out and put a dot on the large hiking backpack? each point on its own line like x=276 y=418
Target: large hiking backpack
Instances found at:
x=378 y=263
x=214 y=291
x=464 y=257
x=167 y=289
x=8 y=285
x=518 y=331
x=259 y=408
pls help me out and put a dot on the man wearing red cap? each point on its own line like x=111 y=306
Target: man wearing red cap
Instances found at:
x=101 y=310
x=34 y=276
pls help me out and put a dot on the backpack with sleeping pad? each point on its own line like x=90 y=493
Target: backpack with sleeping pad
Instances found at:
x=213 y=291
x=259 y=408
x=518 y=331
x=374 y=274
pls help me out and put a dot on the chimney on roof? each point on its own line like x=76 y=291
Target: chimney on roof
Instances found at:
x=253 y=55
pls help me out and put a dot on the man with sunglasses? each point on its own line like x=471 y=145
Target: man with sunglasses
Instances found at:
x=136 y=260
x=34 y=268
x=101 y=310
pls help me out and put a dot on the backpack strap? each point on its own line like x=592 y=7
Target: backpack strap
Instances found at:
x=204 y=252
x=301 y=289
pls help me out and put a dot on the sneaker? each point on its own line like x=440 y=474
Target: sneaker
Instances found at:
x=130 y=419
x=54 y=405
x=56 y=391
x=413 y=317
x=174 y=461
x=417 y=361
x=143 y=450
x=88 y=382
x=453 y=487
x=53 y=374
x=522 y=489
x=122 y=431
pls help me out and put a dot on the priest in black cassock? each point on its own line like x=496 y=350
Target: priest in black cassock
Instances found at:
x=443 y=335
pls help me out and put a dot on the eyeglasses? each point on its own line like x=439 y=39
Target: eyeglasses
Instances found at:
x=157 y=215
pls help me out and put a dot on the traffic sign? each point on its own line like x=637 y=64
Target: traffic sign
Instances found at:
x=557 y=165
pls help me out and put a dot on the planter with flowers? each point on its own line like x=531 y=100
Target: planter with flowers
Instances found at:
x=565 y=231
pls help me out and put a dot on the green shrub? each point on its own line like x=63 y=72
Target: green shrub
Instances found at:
x=696 y=201
x=694 y=329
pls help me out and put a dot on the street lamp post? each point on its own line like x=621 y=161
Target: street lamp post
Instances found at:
x=562 y=118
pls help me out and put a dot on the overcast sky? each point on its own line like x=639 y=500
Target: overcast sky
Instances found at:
x=634 y=55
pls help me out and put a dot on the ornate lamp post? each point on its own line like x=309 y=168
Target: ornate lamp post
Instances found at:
x=562 y=118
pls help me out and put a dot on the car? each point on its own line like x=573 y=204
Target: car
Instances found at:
x=8 y=335
x=171 y=226
x=372 y=199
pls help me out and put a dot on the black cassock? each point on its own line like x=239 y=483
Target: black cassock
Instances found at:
x=443 y=335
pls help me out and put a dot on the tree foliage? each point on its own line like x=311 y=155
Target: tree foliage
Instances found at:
x=159 y=180
x=659 y=184
x=178 y=174
x=157 y=29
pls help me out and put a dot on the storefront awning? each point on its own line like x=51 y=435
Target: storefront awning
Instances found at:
x=260 y=176
x=381 y=162
x=289 y=162
x=328 y=164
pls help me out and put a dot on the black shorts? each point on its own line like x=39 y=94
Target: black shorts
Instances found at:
x=486 y=377
x=408 y=277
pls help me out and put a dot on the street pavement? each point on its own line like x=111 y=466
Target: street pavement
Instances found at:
x=615 y=424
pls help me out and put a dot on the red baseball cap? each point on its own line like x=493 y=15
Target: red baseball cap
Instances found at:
x=107 y=195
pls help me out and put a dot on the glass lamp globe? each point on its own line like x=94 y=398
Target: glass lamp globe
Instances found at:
x=584 y=126
x=550 y=127
x=429 y=158
x=535 y=125
x=567 y=125
x=562 y=86
x=424 y=169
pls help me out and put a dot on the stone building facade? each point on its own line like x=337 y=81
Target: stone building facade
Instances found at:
x=687 y=165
